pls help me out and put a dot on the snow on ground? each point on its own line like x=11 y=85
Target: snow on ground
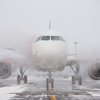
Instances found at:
x=94 y=92
x=8 y=92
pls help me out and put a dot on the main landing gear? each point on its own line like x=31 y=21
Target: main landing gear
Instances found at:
x=49 y=83
x=22 y=77
x=77 y=79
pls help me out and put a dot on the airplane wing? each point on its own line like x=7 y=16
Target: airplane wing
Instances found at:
x=18 y=39
x=9 y=61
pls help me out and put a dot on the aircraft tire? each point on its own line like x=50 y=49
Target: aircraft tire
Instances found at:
x=80 y=80
x=73 y=80
x=52 y=83
x=25 y=79
x=47 y=84
x=18 y=79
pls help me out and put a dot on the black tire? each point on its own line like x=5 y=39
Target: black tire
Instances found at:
x=47 y=83
x=52 y=83
x=18 y=79
x=73 y=80
x=25 y=79
x=80 y=80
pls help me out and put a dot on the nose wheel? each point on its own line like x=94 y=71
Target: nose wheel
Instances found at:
x=49 y=83
x=22 y=77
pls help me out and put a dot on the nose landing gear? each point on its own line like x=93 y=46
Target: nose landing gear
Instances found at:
x=49 y=83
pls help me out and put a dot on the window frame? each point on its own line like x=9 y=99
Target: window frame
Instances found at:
x=38 y=39
x=45 y=37
x=56 y=38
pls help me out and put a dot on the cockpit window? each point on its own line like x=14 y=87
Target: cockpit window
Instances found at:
x=38 y=39
x=55 y=38
x=45 y=38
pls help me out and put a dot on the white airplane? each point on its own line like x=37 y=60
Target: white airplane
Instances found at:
x=49 y=53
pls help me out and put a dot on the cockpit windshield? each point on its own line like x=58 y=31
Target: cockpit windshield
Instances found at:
x=55 y=38
x=45 y=38
x=52 y=38
x=38 y=39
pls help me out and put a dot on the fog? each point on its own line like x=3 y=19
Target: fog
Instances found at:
x=79 y=20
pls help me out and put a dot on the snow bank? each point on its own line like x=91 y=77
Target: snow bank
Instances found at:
x=7 y=93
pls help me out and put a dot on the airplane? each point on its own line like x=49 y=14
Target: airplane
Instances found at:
x=49 y=53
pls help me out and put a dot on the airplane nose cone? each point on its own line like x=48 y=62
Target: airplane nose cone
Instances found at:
x=51 y=50
x=51 y=55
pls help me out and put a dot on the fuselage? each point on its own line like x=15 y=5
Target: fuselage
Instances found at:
x=49 y=51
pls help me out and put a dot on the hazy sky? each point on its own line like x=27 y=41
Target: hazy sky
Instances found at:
x=79 y=20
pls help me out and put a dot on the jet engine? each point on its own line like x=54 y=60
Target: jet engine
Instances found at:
x=5 y=70
x=94 y=71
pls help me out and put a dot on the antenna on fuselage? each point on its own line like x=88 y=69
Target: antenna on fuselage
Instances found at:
x=49 y=24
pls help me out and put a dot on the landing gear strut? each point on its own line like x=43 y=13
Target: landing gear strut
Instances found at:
x=49 y=83
x=77 y=78
x=22 y=77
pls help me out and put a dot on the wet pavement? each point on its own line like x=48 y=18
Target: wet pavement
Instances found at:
x=63 y=90
x=36 y=90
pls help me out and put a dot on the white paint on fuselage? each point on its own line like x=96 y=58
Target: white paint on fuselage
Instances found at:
x=49 y=55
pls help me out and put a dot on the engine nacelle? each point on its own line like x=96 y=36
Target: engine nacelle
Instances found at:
x=94 y=71
x=5 y=70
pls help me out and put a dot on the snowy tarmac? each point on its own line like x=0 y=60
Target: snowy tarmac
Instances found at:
x=37 y=91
